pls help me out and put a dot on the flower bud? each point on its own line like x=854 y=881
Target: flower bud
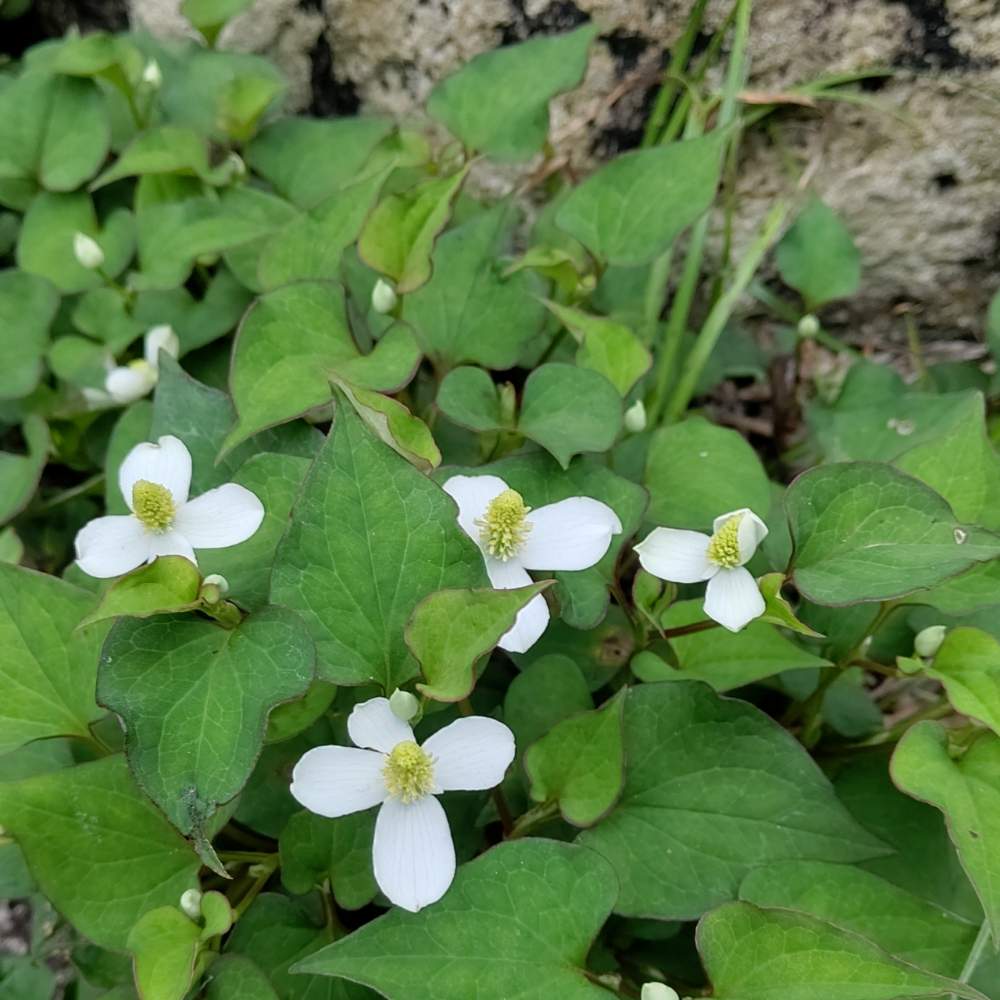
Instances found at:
x=130 y=382
x=635 y=417
x=658 y=991
x=404 y=705
x=808 y=326
x=928 y=641
x=213 y=588
x=87 y=252
x=191 y=903
x=160 y=338
x=384 y=297
x=151 y=74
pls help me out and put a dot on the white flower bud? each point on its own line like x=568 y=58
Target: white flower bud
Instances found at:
x=808 y=326
x=658 y=991
x=635 y=417
x=160 y=338
x=191 y=903
x=218 y=581
x=384 y=297
x=928 y=641
x=151 y=75
x=404 y=705
x=130 y=382
x=87 y=252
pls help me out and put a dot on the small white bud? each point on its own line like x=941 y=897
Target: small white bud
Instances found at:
x=928 y=640
x=130 y=382
x=658 y=991
x=152 y=75
x=404 y=705
x=384 y=298
x=635 y=417
x=87 y=252
x=235 y=166
x=808 y=326
x=217 y=580
x=160 y=338
x=191 y=903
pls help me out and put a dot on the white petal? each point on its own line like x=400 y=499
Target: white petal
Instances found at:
x=373 y=724
x=167 y=463
x=532 y=619
x=676 y=555
x=752 y=531
x=221 y=517
x=335 y=781
x=170 y=543
x=413 y=855
x=569 y=535
x=470 y=754
x=473 y=495
x=733 y=599
x=160 y=338
x=110 y=546
x=129 y=383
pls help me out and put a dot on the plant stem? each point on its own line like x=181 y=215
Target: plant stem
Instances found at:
x=702 y=626
x=532 y=818
x=976 y=953
x=267 y=869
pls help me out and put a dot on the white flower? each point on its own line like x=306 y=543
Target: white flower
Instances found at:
x=658 y=991
x=384 y=297
x=130 y=382
x=572 y=534
x=732 y=597
x=87 y=251
x=412 y=855
x=635 y=417
x=154 y=480
x=152 y=75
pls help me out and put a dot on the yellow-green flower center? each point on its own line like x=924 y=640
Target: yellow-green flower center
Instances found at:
x=504 y=527
x=153 y=505
x=408 y=772
x=724 y=547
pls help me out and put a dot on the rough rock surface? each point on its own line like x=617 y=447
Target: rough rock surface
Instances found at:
x=914 y=172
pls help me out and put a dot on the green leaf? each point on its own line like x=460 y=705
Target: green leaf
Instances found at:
x=777 y=610
x=23 y=978
x=289 y=346
x=520 y=917
x=166 y=149
x=569 y=410
x=753 y=954
x=168 y=584
x=631 y=209
x=498 y=102
x=451 y=629
x=691 y=754
x=99 y=849
x=580 y=764
x=866 y=532
x=467 y=311
x=550 y=689
x=399 y=236
x=194 y=698
x=469 y=397
x=103 y=314
x=902 y=924
x=729 y=660
x=28 y=305
x=967 y=791
x=48 y=669
x=314 y=848
x=19 y=474
x=165 y=945
x=237 y=978
x=606 y=346
x=818 y=258
x=968 y=665
x=697 y=470
x=370 y=537
x=208 y=16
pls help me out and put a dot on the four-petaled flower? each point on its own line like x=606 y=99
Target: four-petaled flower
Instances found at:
x=572 y=534
x=412 y=855
x=732 y=597
x=154 y=480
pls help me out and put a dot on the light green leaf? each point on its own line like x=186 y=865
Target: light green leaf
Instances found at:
x=28 y=305
x=467 y=311
x=818 y=258
x=451 y=629
x=697 y=470
x=99 y=849
x=569 y=410
x=370 y=537
x=399 y=235
x=777 y=610
x=290 y=344
x=689 y=755
x=631 y=209
x=498 y=102
x=866 y=532
x=237 y=978
x=606 y=346
x=168 y=584
x=293 y=717
x=904 y=925
x=11 y=546
x=166 y=149
x=520 y=917
x=165 y=945
x=103 y=314
x=753 y=954
x=967 y=791
x=469 y=397
x=194 y=698
x=208 y=16
x=24 y=978
x=580 y=764
x=19 y=474
x=48 y=669
x=968 y=665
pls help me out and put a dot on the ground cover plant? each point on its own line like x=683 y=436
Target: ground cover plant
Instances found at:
x=388 y=606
